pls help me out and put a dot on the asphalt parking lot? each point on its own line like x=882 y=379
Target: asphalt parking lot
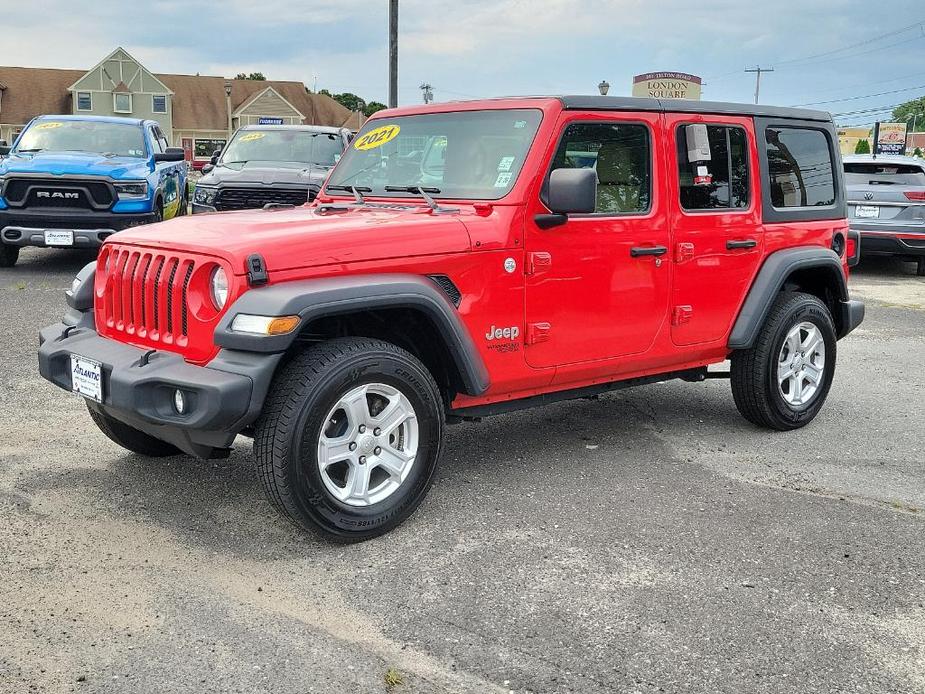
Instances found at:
x=650 y=541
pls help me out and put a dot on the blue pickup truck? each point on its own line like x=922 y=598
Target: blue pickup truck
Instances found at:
x=73 y=181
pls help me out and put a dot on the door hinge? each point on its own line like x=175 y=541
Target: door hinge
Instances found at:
x=684 y=251
x=682 y=315
x=538 y=332
x=538 y=261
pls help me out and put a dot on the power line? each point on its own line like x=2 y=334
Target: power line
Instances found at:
x=758 y=70
x=873 y=39
x=865 y=96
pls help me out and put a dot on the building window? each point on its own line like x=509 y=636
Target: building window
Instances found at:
x=720 y=182
x=205 y=148
x=122 y=102
x=620 y=153
x=84 y=101
x=159 y=103
x=800 y=168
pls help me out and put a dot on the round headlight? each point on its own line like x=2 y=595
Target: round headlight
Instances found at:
x=219 y=286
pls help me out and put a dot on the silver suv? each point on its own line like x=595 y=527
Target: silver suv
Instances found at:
x=886 y=205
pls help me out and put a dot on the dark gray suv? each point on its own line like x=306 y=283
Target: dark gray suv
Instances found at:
x=886 y=205
x=269 y=164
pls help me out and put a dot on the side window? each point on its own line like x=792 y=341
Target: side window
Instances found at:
x=155 y=140
x=720 y=182
x=620 y=154
x=799 y=167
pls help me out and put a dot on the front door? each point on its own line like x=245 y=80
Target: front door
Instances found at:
x=597 y=287
x=718 y=239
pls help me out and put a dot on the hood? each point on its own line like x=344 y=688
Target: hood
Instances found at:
x=302 y=237
x=266 y=173
x=75 y=164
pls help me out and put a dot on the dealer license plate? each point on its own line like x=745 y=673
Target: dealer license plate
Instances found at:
x=867 y=211
x=59 y=237
x=87 y=377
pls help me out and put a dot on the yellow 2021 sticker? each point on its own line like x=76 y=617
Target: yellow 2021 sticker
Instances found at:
x=376 y=137
x=49 y=125
x=251 y=136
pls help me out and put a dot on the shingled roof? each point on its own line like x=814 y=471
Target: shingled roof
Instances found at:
x=198 y=101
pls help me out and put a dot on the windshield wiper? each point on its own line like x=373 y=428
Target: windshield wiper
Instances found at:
x=27 y=151
x=423 y=192
x=355 y=190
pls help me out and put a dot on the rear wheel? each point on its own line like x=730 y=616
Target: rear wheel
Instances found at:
x=8 y=255
x=349 y=438
x=782 y=381
x=131 y=438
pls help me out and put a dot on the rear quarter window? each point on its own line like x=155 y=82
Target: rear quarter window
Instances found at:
x=801 y=170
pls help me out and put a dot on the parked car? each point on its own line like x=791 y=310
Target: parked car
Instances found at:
x=886 y=205
x=73 y=181
x=269 y=164
x=343 y=336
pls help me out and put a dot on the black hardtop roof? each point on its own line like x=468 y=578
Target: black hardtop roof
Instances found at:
x=592 y=102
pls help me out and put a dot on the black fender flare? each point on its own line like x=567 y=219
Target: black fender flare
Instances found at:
x=323 y=297
x=770 y=280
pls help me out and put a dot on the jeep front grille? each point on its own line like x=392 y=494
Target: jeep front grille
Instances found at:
x=145 y=294
x=254 y=198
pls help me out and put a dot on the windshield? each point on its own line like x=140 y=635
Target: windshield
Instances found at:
x=298 y=146
x=467 y=154
x=884 y=173
x=113 y=139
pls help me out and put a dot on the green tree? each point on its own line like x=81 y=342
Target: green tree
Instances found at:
x=862 y=147
x=256 y=76
x=904 y=113
x=372 y=107
x=917 y=153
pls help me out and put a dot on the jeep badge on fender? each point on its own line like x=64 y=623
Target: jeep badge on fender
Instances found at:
x=641 y=240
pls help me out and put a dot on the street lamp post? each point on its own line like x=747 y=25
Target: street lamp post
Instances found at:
x=603 y=87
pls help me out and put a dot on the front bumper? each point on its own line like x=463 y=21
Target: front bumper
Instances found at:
x=26 y=228
x=223 y=397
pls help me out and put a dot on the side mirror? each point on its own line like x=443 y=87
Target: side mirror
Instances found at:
x=206 y=168
x=172 y=154
x=4 y=150
x=213 y=160
x=570 y=191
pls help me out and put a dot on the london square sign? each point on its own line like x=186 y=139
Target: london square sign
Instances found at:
x=667 y=85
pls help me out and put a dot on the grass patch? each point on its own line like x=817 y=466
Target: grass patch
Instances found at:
x=393 y=678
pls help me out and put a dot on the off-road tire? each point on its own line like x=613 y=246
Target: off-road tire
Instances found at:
x=130 y=438
x=8 y=255
x=158 y=211
x=754 y=371
x=287 y=431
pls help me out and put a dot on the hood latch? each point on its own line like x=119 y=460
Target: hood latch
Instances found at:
x=256 y=270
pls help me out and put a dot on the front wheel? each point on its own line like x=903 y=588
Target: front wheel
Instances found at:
x=8 y=255
x=131 y=438
x=349 y=438
x=782 y=381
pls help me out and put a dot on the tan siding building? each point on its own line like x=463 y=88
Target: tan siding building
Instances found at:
x=196 y=112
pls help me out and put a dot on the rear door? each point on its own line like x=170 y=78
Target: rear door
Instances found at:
x=885 y=195
x=718 y=238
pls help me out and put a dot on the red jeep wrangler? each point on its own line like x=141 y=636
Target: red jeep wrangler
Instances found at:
x=463 y=260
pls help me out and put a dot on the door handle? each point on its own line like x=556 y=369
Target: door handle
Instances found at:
x=741 y=243
x=637 y=251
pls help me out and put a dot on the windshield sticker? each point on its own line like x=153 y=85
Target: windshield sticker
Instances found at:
x=377 y=137
x=520 y=124
x=503 y=179
x=49 y=125
x=505 y=163
x=251 y=136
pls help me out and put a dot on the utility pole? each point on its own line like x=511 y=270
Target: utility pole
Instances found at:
x=393 y=53
x=758 y=70
x=428 y=93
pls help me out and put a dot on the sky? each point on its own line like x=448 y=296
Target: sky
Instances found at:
x=831 y=51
